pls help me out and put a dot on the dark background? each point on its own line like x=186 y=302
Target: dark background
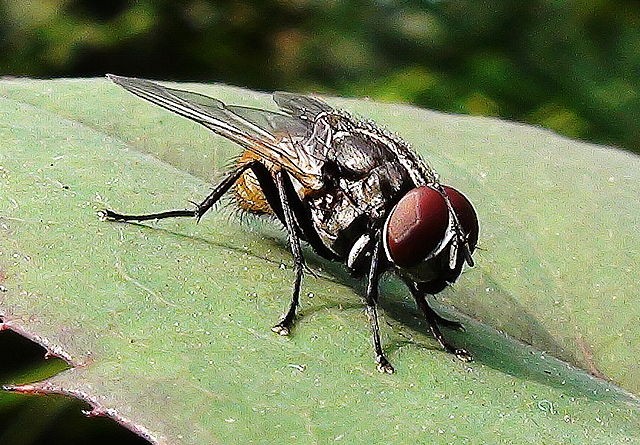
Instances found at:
x=573 y=67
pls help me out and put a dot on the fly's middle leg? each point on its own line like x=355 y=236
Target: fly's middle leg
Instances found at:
x=283 y=327
x=198 y=212
x=372 y=307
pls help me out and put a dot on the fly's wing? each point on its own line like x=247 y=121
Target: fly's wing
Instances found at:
x=215 y=115
x=303 y=107
x=277 y=124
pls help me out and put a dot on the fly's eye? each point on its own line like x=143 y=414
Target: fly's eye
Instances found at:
x=466 y=214
x=416 y=226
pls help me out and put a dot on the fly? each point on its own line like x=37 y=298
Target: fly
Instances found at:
x=351 y=190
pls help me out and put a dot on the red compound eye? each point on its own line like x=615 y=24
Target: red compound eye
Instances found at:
x=466 y=214
x=417 y=226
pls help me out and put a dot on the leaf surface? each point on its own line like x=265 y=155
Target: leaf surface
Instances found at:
x=167 y=325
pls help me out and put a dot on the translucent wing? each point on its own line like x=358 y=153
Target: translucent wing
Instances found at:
x=264 y=133
x=302 y=107
x=275 y=123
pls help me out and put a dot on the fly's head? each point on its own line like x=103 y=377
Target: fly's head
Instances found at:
x=430 y=234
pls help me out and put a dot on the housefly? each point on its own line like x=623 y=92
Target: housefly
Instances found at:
x=354 y=192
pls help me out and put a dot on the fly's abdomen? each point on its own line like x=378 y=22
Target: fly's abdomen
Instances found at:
x=247 y=191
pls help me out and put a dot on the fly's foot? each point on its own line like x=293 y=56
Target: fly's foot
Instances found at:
x=281 y=329
x=463 y=355
x=460 y=353
x=383 y=365
x=107 y=215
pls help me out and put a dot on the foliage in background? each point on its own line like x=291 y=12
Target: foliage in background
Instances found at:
x=34 y=420
x=573 y=67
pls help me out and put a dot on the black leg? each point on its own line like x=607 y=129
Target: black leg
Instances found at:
x=284 y=325
x=200 y=209
x=371 y=298
x=434 y=319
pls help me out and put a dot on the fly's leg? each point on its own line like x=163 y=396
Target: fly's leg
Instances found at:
x=371 y=298
x=433 y=319
x=198 y=212
x=283 y=327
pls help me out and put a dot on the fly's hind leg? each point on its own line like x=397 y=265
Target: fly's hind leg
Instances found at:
x=198 y=212
x=283 y=327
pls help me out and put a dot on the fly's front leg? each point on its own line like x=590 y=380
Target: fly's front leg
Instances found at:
x=198 y=212
x=418 y=293
x=283 y=327
x=434 y=319
x=371 y=298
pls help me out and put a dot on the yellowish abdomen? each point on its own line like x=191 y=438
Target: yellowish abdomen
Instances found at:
x=248 y=193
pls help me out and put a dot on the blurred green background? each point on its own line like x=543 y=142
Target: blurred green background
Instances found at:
x=572 y=66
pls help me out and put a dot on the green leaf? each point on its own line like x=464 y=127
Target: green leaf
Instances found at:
x=167 y=325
